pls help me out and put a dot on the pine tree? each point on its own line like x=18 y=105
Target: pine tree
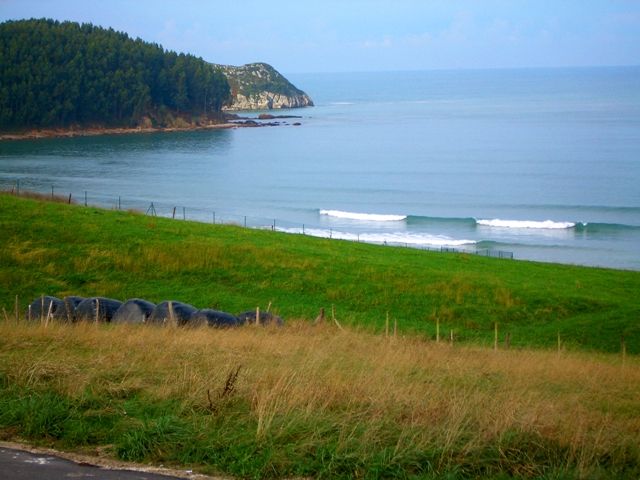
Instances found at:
x=61 y=73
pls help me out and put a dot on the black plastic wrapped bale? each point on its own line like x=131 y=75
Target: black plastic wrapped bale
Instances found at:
x=265 y=318
x=45 y=306
x=179 y=312
x=97 y=309
x=134 y=310
x=70 y=304
x=213 y=318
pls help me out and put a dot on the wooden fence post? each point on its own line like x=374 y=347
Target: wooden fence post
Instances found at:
x=320 y=318
x=333 y=317
x=46 y=323
x=386 y=326
x=172 y=316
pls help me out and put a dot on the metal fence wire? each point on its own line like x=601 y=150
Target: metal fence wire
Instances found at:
x=220 y=217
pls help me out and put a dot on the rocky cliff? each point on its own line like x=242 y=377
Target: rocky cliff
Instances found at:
x=258 y=86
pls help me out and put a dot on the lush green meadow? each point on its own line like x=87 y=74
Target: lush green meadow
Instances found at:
x=319 y=400
x=56 y=249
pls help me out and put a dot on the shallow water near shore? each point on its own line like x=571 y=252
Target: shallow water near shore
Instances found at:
x=541 y=163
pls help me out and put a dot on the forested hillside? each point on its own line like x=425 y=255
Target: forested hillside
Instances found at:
x=57 y=74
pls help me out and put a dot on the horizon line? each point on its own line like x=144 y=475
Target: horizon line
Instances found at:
x=453 y=69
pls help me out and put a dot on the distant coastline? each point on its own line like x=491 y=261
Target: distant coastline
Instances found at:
x=34 y=134
x=85 y=89
x=90 y=132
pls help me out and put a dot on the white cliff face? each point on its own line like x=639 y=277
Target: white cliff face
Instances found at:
x=268 y=101
x=258 y=86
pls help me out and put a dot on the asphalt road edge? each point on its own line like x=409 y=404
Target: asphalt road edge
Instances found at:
x=108 y=463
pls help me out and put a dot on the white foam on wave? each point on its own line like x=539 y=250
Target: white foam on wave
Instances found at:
x=398 y=238
x=369 y=217
x=546 y=224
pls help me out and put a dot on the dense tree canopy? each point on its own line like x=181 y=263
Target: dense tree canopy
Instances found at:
x=63 y=73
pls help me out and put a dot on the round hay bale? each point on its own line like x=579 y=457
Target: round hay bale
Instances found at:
x=46 y=305
x=213 y=318
x=162 y=316
x=266 y=318
x=98 y=309
x=134 y=310
x=70 y=304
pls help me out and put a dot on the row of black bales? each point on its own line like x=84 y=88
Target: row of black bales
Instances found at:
x=138 y=311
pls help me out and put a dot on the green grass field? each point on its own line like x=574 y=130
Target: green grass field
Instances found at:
x=56 y=249
x=316 y=401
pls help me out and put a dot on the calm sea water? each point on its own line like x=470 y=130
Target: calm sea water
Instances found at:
x=544 y=163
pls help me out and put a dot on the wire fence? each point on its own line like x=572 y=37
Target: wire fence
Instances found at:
x=220 y=217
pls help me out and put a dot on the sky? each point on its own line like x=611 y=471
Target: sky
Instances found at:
x=306 y=36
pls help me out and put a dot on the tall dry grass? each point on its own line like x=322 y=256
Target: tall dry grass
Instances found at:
x=400 y=394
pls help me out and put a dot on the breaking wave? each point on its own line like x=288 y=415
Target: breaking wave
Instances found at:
x=368 y=217
x=531 y=224
x=397 y=238
x=470 y=223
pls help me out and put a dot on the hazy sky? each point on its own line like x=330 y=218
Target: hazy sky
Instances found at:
x=368 y=35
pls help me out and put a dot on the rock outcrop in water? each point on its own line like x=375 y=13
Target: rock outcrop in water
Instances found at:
x=258 y=86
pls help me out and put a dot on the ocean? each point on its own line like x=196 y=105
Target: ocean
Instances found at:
x=541 y=164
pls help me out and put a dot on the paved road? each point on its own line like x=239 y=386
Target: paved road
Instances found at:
x=21 y=465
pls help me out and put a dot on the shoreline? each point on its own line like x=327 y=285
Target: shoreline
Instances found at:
x=35 y=134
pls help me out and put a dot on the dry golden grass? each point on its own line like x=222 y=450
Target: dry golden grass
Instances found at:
x=453 y=399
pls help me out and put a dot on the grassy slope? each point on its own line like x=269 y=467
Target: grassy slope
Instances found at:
x=50 y=248
x=314 y=400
